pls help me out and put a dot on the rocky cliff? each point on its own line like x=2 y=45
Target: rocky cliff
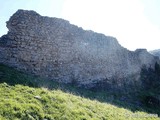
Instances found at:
x=156 y=52
x=58 y=50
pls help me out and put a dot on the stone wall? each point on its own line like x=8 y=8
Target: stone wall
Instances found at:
x=58 y=50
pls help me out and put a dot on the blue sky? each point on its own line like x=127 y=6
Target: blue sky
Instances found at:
x=135 y=23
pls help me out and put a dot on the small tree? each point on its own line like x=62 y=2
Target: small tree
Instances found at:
x=157 y=68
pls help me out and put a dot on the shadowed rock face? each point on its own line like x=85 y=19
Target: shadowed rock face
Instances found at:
x=58 y=50
x=156 y=52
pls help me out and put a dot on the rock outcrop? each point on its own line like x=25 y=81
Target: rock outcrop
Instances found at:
x=58 y=50
x=156 y=52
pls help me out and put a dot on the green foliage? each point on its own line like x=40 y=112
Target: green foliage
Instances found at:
x=157 y=69
x=150 y=78
x=151 y=87
x=21 y=102
x=14 y=77
x=28 y=97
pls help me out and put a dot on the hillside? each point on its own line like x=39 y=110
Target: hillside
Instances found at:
x=27 y=103
x=156 y=52
x=23 y=102
x=51 y=69
x=46 y=101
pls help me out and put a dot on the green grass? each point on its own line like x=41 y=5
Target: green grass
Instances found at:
x=27 y=97
x=27 y=103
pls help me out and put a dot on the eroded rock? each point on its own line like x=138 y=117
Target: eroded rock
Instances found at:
x=58 y=50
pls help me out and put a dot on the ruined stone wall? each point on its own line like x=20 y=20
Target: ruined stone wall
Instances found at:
x=58 y=50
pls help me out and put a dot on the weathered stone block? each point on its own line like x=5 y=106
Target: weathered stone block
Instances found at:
x=56 y=49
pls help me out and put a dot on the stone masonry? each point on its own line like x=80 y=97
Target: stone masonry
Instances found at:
x=55 y=49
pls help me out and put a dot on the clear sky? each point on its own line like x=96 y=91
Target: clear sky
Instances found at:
x=135 y=23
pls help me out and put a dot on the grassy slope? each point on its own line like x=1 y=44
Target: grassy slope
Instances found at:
x=29 y=103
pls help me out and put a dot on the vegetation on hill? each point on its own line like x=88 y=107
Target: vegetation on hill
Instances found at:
x=150 y=93
x=27 y=97
x=27 y=103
